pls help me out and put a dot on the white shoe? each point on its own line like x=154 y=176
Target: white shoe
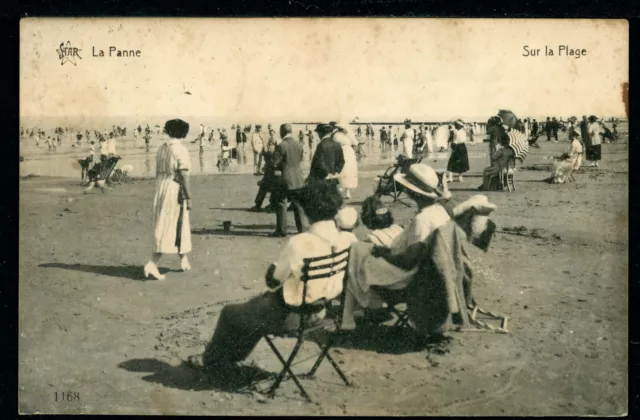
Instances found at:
x=152 y=270
x=184 y=264
x=460 y=178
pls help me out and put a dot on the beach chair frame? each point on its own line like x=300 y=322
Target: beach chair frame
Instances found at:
x=322 y=268
x=387 y=185
x=393 y=299
x=506 y=180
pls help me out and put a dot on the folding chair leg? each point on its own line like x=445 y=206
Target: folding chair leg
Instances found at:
x=316 y=365
x=325 y=353
x=286 y=369
x=403 y=321
x=403 y=318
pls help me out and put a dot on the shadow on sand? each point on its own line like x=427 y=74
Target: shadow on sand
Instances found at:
x=381 y=339
x=132 y=272
x=240 y=380
x=221 y=232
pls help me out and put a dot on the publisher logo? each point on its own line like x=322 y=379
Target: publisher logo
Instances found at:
x=68 y=54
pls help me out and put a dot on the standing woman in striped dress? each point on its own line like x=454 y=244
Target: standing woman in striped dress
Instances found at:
x=172 y=200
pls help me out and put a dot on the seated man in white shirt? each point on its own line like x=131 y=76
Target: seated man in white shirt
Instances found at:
x=241 y=326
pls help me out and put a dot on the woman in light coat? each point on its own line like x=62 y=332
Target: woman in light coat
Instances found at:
x=349 y=174
x=172 y=200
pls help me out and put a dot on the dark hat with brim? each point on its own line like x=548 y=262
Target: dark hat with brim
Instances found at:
x=593 y=118
x=324 y=128
x=176 y=128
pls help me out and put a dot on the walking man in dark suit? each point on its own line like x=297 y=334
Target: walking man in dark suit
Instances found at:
x=548 y=128
x=287 y=159
x=328 y=159
x=555 y=125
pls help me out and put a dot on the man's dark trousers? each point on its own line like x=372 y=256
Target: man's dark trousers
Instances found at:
x=282 y=195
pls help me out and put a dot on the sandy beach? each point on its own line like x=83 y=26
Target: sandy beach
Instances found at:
x=90 y=324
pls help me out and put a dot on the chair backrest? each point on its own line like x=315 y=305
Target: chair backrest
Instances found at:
x=323 y=268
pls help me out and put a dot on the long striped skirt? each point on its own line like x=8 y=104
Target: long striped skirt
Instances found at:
x=172 y=233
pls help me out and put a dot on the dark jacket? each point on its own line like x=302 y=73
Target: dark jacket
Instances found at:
x=287 y=159
x=328 y=159
x=584 y=132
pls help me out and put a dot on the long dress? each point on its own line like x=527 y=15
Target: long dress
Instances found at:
x=172 y=233
x=459 y=160
x=573 y=161
x=594 y=149
x=441 y=137
x=349 y=173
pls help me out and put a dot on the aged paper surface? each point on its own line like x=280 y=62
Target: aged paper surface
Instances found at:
x=98 y=337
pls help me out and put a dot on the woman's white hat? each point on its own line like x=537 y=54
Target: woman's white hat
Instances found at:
x=421 y=179
x=480 y=203
x=347 y=218
x=344 y=136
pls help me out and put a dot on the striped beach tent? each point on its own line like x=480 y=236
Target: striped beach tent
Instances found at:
x=518 y=142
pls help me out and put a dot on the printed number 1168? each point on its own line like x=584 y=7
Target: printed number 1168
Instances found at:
x=68 y=396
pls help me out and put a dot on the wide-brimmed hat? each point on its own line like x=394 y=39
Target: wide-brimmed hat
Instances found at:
x=459 y=122
x=347 y=218
x=480 y=203
x=593 y=118
x=323 y=128
x=421 y=179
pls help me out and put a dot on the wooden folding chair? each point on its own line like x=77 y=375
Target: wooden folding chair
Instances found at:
x=505 y=180
x=314 y=269
x=511 y=170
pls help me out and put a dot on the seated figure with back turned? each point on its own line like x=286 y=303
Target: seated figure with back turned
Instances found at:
x=241 y=326
x=500 y=157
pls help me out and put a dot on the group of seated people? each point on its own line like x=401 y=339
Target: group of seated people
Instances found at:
x=427 y=259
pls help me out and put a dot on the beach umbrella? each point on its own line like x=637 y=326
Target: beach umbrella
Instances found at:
x=519 y=144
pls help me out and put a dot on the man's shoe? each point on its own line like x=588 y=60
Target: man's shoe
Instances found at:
x=277 y=235
x=255 y=209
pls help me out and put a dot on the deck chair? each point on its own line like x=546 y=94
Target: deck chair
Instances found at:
x=108 y=167
x=314 y=269
x=387 y=186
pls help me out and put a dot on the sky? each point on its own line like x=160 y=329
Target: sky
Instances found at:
x=322 y=69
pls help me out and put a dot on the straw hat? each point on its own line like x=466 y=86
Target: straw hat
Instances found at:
x=480 y=203
x=347 y=218
x=421 y=179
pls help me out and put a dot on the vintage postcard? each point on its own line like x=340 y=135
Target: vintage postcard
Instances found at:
x=323 y=216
